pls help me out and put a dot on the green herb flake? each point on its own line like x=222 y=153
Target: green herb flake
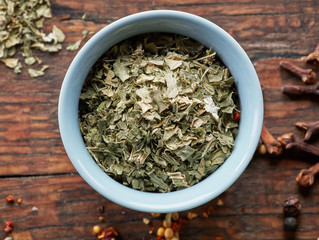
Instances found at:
x=73 y=46
x=37 y=73
x=21 y=24
x=156 y=112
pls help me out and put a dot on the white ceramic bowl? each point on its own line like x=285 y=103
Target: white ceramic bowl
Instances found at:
x=247 y=83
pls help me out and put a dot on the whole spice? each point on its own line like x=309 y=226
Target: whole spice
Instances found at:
x=97 y=229
x=289 y=143
x=168 y=233
x=312 y=129
x=10 y=199
x=314 y=56
x=307 y=75
x=306 y=177
x=291 y=207
x=295 y=90
x=290 y=224
x=160 y=231
x=272 y=145
x=262 y=149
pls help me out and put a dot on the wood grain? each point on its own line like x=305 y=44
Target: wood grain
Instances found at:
x=35 y=167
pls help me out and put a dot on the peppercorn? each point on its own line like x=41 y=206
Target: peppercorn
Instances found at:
x=290 y=224
x=10 y=199
x=292 y=207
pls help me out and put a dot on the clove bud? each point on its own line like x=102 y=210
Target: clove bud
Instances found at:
x=306 y=177
x=307 y=75
x=311 y=128
x=272 y=145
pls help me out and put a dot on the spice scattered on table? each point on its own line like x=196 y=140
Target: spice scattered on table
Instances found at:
x=171 y=227
x=9 y=226
x=10 y=199
x=21 y=24
x=306 y=177
x=290 y=224
x=311 y=128
x=269 y=142
x=291 y=209
x=313 y=57
x=307 y=75
x=105 y=234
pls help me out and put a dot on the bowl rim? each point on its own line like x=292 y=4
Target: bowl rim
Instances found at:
x=180 y=200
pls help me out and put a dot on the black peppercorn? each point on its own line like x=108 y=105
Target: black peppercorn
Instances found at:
x=290 y=223
x=292 y=207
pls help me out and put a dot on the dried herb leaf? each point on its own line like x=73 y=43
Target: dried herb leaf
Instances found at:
x=21 y=25
x=11 y=62
x=58 y=33
x=37 y=73
x=73 y=46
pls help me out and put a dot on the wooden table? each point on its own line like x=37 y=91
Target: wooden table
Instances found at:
x=59 y=204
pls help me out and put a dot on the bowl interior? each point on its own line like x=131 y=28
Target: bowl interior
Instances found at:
x=234 y=58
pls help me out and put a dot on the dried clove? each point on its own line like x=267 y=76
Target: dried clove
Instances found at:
x=272 y=145
x=291 y=207
x=306 y=177
x=312 y=129
x=295 y=90
x=307 y=75
x=314 y=56
x=288 y=142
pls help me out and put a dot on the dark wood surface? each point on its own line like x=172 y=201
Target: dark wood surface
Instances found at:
x=35 y=167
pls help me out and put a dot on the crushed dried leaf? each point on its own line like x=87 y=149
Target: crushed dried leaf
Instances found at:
x=156 y=112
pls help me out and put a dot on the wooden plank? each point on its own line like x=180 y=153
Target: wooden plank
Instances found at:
x=252 y=207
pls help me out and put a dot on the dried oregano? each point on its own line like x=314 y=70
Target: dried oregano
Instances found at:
x=21 y=23
x=156 y=112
